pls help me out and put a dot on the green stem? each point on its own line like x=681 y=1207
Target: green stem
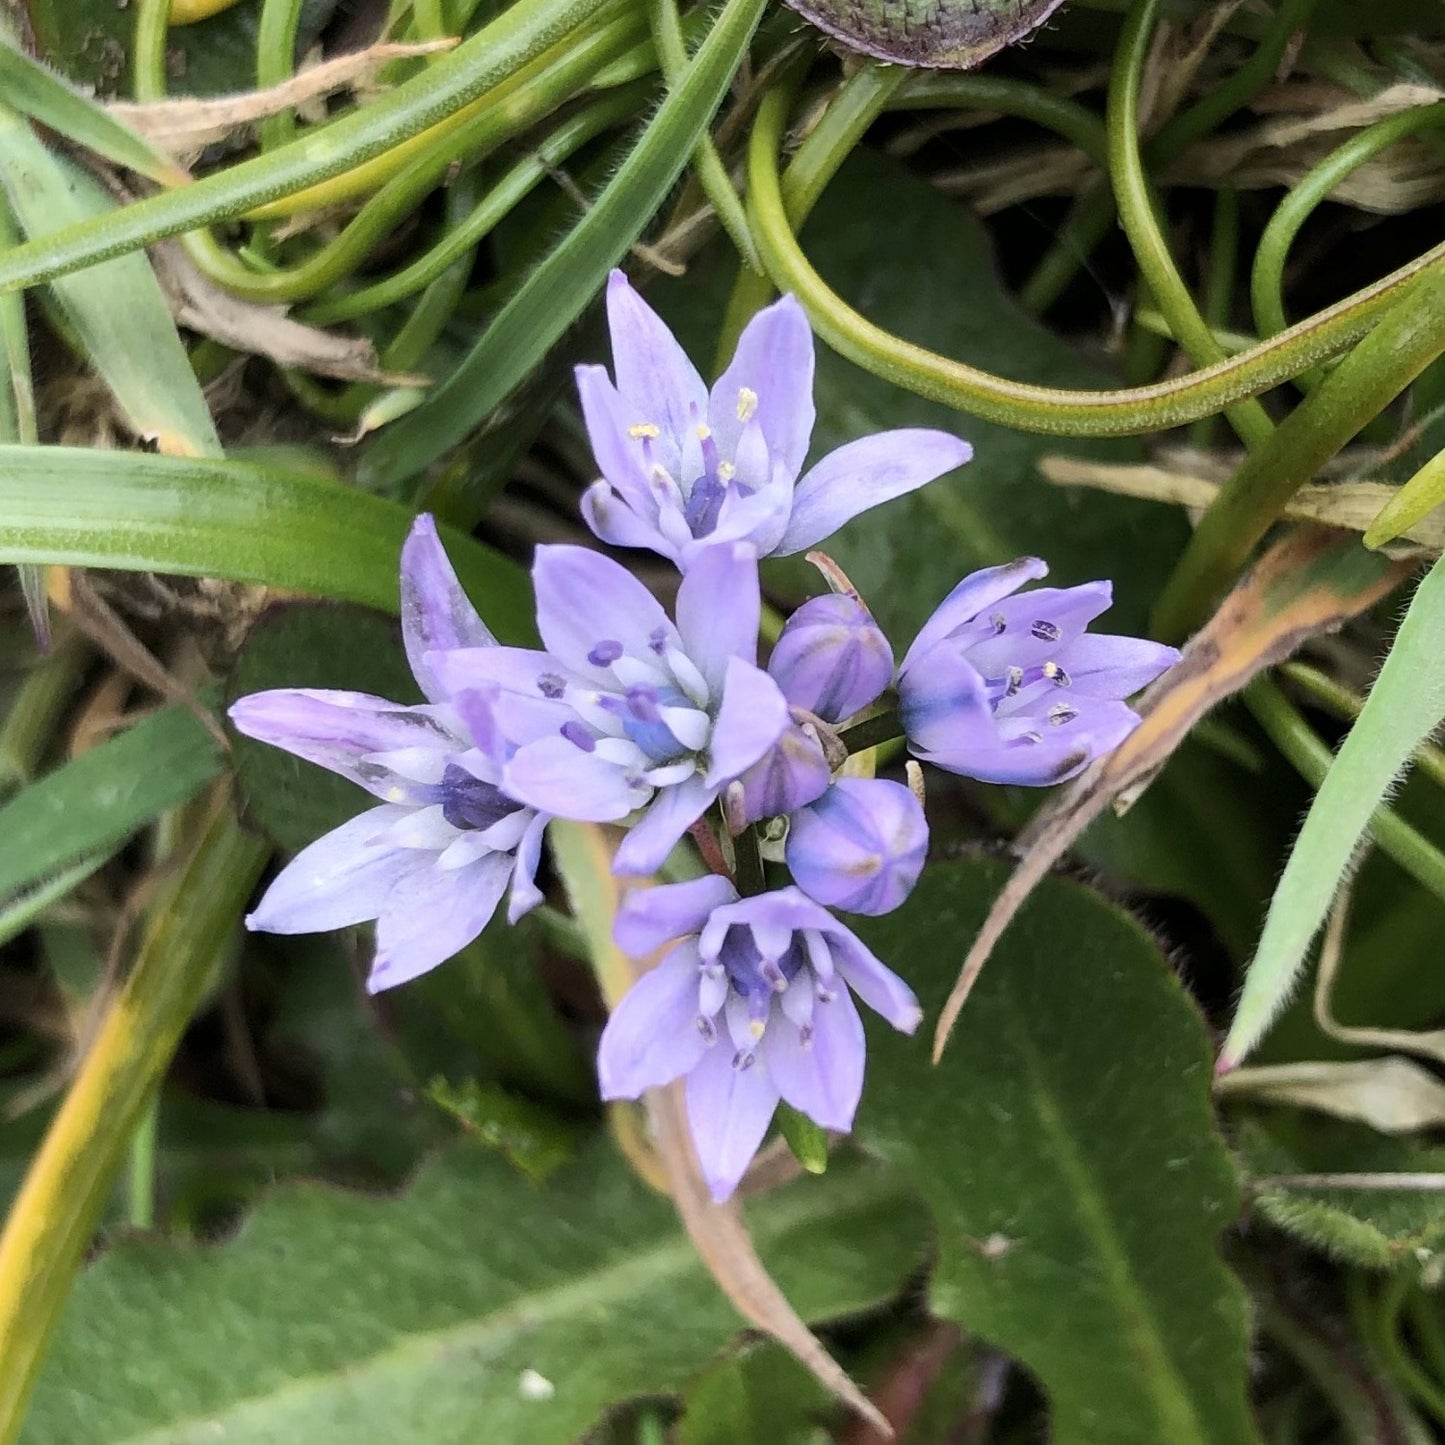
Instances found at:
x=32 y=723
x=1398 y=1288
x=275 y=64
x=872 y=732
x=141 y=1174
x=748 y=874
x=517 y=36
x=1266 y=287
x=711 y=172
x=1139 y=216
x=1223 y=268
x=1311 y=758
x=1039 y=409
x=1409 y=337
x=71 y=1177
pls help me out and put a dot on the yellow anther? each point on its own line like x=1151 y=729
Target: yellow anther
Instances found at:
x=1051 y=669
x=644 y=429
x=704 y=431
x=756 y=1027
x=726 y=471
x=747 y=403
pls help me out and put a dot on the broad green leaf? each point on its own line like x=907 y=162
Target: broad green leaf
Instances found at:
x=117 y=311
x=550 y=299
x=475 y=1306
x=1067 y=1148
x=1374 y=1226
x=97 y=801
x=230 y=519
x=1405 y=705
x=756 y=1394
x=536 y=1140
x=38 y=92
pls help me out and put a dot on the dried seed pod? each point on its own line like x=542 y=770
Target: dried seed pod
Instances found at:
x=931 y=34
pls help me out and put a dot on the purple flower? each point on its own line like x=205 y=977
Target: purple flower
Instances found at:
x=832 y=658
x=432 y=861
x=752 y=1005
x=1007 y=687
x=860 y=846
x=650 y=715
x=683 y=467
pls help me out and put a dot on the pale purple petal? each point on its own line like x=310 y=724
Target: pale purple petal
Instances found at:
x=522 y=670
x=436 y=614
x=342 y=730
x=860 y=846
x=585 y=599
x=612 y=520
x=864 y=473
x=874 y=982
x=652 y=1036
x=555 y=776
x=751 y=719
x=770 y=378
x=340 y=879
x=673 y=811
x=1101 y=665
x=1031 y=628
x=729 y=1110
x=791 y=773
x=432 y=914
x=658 y=385
x=832 y=658
x=977 y=591
x=650 y=917
x=718 y=609
x=525 y=894
x=943 y=702
x=619 y=456
x=822 y=1077
x=1036 y=752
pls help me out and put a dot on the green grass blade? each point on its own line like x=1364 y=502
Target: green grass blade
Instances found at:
x=519 y=34
x=231 y=519
x=117 y=311
x=551 y=298
x=1405 y=705
x=96 y=801
x=41 y=94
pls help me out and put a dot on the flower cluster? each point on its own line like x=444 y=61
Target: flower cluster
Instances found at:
x=668 y=724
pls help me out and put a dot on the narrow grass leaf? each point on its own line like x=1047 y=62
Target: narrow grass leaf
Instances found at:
x=552 y=297
x=99 y=799
x=117 y=311
x=237 y=520
x=1405 y=705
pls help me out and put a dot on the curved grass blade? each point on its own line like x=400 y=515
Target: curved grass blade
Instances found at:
x=519 y=34
x=1405 y=705
x=552 y=297
x=117 y=311
x=231 y=519
x=38 y=92
x=96 y=801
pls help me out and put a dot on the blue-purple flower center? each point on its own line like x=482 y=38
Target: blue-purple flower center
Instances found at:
x=639 y=710
x=757 y=979
x=468 y=802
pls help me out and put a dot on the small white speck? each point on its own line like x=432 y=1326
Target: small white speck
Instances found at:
x=532 y=1386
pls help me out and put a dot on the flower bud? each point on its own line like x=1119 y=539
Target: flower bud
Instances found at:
x=831 y=658
x=860 y=846
x=791 y=773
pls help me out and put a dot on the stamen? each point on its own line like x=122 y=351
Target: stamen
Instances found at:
x=550 y=685
x=998 y=622
x=1045 y=631
x=644 y=430
x=1015 y=678
x=726 y=471
x=805 y=1036
x=1061 y=713
x=605 y=653
x=708 y=1029
x=1058 y=675
x=743 y=1062
x=704 y=431
x=747 y=403
x=657 y=640
x=1030 y=738
x=579 y=736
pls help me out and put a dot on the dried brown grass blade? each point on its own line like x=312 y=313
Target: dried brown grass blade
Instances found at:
x=1313 y=580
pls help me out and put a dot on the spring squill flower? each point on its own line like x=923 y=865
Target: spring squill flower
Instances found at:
x=650 y=715
x=1008 y=687
x=752 y=1004
x=431 y=862
x=684 y=467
